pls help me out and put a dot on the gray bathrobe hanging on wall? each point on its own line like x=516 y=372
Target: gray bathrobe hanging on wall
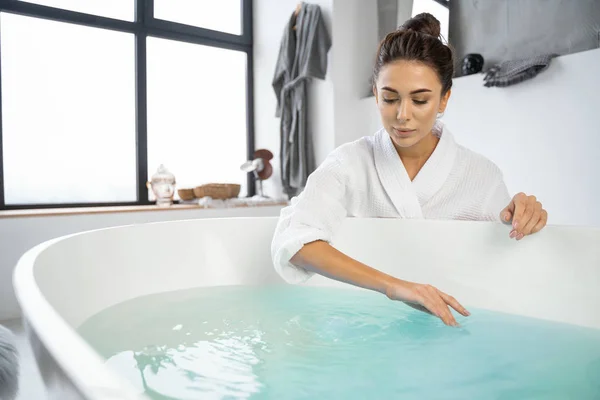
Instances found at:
x=302 y=56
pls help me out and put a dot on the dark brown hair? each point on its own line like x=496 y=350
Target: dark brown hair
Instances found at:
x=418 y=39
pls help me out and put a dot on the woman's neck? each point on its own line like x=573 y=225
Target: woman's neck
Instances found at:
x=416 y=156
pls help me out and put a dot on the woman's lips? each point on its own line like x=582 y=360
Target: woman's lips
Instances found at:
x=403 y=131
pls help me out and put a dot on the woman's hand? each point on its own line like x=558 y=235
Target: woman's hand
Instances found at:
x=527 y=216
x=427 y=298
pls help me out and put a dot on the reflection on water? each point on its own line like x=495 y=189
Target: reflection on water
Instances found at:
x=222 y=367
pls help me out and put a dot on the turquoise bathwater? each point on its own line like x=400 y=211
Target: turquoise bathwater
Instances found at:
x=293 y=342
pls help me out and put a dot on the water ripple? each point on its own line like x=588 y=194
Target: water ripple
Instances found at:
x=305 y=343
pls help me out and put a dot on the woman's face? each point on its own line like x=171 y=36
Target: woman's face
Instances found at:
x=409 y=97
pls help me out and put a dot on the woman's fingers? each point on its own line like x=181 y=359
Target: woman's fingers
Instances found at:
x=526 y=204
x=428 y=299
x=436 y=304
x=440 y=310
x=452 y=302
x=536 y=215
x=520 y=204
x=541 y=223
x=528 y=217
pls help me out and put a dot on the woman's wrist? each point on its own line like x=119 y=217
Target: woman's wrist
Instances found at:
x=390 y=285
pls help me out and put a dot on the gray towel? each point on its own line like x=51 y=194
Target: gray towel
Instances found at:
x=9 y=365
x=302 y=57
x=512 y=72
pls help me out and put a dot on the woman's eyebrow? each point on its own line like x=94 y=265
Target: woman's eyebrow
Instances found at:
x=389 y=89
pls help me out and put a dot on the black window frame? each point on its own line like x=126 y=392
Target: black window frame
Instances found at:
x=445 y=3
x=143 y=25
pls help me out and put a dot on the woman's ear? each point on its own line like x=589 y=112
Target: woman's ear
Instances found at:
x=444 y=101
x=375 y=94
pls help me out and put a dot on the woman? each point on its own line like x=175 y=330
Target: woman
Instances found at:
x=412 y=168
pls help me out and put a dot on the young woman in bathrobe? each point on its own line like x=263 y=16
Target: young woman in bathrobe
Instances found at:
x=412 y=168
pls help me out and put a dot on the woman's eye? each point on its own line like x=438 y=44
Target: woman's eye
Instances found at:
x=420 y=102
x=389 y=101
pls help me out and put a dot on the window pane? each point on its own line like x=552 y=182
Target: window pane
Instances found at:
x=118 y=9
x=68 y=108
x=221 y=15
x=196 y=112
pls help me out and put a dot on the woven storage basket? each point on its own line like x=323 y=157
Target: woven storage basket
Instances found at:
x=186 y=194
x=218 y=190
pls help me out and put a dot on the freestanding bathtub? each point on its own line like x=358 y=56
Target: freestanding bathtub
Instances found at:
x=554 y=275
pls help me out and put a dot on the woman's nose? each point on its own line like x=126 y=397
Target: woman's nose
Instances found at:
x=404 y=111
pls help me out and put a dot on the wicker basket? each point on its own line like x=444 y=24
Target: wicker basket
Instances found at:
x=186 y=194
x=220 y=191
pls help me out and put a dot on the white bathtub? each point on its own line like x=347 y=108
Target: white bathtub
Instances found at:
x=553 y=275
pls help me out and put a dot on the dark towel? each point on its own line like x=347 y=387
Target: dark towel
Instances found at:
x=512 y=72
x=9 y=365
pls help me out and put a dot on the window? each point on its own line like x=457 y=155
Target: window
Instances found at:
x=191 y=115
x=95 y=95
x=221 y=15
x=68 y=96
x=118 y=9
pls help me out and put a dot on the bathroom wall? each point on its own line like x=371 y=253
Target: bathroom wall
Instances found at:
x=354 y=32
x=543 y=133
x=17 y=235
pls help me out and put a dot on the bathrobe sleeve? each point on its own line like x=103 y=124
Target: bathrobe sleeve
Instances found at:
x=315 y=214
x=498 y=198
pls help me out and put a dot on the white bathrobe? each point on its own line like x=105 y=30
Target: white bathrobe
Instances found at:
x=366 y=178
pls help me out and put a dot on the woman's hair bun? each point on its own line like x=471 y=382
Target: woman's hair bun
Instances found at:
x=423 y=23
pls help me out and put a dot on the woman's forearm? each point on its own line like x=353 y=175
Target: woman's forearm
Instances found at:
x=322 y=258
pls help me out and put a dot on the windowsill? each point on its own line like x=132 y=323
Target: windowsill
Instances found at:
x=45 y=212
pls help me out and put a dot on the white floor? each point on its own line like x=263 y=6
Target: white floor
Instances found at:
x=30 y=382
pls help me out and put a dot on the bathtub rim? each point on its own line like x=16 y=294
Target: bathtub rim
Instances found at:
x=82 y=365
x=98 y=382
x=87 y=370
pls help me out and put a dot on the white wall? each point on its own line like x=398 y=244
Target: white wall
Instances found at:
x=17 y=235
x=270 y=19
x=355 y=39
x=543 y=133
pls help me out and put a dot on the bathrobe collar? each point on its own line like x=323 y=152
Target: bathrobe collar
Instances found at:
x=408 y=197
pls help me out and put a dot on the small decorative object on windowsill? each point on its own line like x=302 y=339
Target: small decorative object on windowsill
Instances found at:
x=220 y=191
x=217 y=191
x=262 y=169
x=162 y=185
x=186 y=194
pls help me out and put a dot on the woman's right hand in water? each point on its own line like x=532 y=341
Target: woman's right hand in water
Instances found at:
x=322 y=258
x=427 y=298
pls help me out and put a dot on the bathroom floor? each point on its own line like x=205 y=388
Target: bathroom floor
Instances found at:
x=30 y=382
